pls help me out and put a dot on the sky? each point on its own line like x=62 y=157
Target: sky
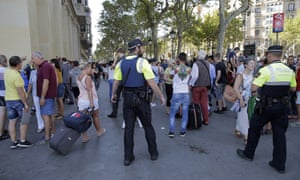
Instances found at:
x=96 y=8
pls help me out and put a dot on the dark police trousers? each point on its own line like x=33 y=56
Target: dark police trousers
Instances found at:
x=277 y=114
x=143 y=111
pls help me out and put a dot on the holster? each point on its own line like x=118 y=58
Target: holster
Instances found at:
x=146 y=94
x=260 y=105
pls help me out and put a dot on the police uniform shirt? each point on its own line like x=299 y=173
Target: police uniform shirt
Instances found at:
x=142 y=66
x=277 y=74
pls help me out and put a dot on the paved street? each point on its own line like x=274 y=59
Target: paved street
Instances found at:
x=207 y=154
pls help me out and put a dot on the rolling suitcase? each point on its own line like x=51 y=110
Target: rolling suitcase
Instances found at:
x=63 y=140
x=195 y=117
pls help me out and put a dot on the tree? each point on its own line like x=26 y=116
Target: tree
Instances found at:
x=152 y=12
x=182 y=13
x=291 y=33
x=225 y=20
x=117 y=26
x=206 y=31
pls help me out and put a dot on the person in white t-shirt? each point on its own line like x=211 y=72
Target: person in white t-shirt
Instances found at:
x=180 y=95
x=3 y=133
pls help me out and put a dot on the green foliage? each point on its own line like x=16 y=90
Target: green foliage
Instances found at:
x=206 y=30
x=117 y=26
x=291 y=28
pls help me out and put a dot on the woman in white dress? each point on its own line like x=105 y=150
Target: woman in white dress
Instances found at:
x=242 y=88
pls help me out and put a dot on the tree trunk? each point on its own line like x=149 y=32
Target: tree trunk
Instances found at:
x=224 y=22
x=154 y=40
x=222 y=27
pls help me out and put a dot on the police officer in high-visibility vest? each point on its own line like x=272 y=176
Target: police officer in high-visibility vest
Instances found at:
x=274 y=81
x=136 y=75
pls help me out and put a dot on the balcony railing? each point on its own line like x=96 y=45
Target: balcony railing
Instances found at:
x=80 y=9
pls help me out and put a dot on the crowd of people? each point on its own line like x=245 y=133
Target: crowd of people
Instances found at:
x=45 y=83
x=141 y=81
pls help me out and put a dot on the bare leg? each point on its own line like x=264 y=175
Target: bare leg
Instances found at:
x=60 y=106
x=85 y=137
x=220 y=105
x=2 y=119
x=12 y=129
x=96 y=121
x=47 y=122
x=23 y=132
x=53 y=123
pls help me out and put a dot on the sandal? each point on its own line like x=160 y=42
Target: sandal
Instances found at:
x=85 y=140
x=100 y=134
x=237 y=133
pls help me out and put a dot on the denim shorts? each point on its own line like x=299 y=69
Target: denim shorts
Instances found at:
x=14 y=109
x=60 y=90
x=219 y=90
x=48 y=108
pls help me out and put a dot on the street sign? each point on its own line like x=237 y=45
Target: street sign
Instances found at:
x=278 y=22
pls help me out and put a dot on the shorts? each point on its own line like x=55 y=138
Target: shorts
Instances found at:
x=75 y=91
x=85 y=104
x=2 y=101
x=219 y=90
x=60 y=90
x=15 y=111
x=48 y=108
x=298 y=97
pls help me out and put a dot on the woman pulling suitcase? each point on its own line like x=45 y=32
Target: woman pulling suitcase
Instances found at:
x=88 y=98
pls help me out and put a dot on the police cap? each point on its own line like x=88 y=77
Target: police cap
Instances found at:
x=275 y=48
x=135 y=43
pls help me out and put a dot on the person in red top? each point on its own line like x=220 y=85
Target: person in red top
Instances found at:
x=297 y=123
x=46 y=91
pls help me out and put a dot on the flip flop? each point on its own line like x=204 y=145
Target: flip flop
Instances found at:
x=104 y=130
x=85 y=140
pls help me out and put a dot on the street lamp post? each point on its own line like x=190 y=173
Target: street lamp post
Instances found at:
x=172 y=35
x=150 y=45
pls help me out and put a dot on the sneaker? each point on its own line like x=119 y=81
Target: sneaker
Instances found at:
x=139 y=122
x=153 y=104
x=112 y=115
x=182 y=134
x=123 y=124
x=218 y=112
x=39 y=130
x=210 y=112
x=4 y=136
x=24 y=144
x=44 y=141
x=171 y=135
x=14 y=145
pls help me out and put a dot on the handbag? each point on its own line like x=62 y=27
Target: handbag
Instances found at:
x=78 y=121
x=229 y=94
x=251 y=105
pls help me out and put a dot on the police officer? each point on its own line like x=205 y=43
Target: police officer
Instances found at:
x=274 y=82
x=135 y=74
